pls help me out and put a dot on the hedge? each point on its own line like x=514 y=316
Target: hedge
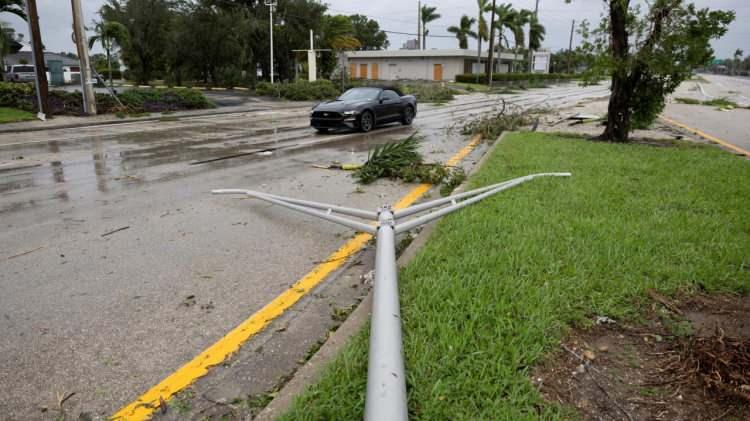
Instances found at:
x=23 y=96
x=299 y=91
x=513 y=77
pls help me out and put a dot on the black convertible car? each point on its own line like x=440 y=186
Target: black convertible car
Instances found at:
x=363 y=109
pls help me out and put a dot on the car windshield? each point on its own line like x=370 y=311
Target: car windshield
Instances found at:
x=356 y=94
x=23 y=69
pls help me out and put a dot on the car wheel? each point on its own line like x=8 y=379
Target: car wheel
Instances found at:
x=408 y=116
x=366 y=121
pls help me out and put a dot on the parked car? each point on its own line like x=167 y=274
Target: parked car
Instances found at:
x=20 y=73
x=363 y=109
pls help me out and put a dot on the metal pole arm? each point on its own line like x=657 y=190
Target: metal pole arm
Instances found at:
x=306 y=209
x=358 y=213
x=409 y=225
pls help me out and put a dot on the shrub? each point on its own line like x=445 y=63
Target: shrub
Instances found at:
x=513 y=77
x=23 y=96
x=267 y=89
x=299 y=91
x=231 y=76
x=429 y=92
x=15 y=95
x=159 y=100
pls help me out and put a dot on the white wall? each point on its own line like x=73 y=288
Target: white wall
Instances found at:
x=411 y=68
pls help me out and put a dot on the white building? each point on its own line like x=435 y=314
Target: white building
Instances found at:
x=60 y=69
x=439 y=65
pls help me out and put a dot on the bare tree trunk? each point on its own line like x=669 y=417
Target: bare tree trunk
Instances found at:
x=618 y=117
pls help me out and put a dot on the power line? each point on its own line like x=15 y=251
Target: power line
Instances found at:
x=408 y=33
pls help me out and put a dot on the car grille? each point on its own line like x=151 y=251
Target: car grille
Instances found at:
x=327 y=115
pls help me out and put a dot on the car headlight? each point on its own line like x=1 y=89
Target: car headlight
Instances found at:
x=350 y=113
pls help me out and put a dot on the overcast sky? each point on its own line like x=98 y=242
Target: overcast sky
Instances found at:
x=401 y=16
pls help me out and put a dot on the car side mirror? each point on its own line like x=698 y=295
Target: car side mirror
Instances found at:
x=382 y=100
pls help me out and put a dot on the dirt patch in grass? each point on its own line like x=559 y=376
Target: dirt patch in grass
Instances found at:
x=685 y=361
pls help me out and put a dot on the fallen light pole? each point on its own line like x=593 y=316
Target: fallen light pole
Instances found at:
x=386 y=379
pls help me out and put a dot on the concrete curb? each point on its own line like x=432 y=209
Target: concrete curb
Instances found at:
x=311 y=371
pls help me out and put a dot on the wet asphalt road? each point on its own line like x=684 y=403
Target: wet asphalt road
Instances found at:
x=117 y=265
x=731 y=126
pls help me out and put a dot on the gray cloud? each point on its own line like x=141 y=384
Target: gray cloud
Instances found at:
x=400 y=16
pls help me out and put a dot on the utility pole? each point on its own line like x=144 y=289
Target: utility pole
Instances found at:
x=271 y=5
x=89 y=99
x=419 y=25
x=37 y=57
x=531 y=53
x=570 y=46
x=490 y=66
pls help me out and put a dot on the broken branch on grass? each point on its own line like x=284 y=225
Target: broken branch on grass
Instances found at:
x=614 y=401
x=402 y=161
x=664 y=301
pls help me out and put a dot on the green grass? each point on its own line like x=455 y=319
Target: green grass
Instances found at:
x=717 y=102
x=721 y=102
x=14 y=115
x=689 y=101
x=499 y=283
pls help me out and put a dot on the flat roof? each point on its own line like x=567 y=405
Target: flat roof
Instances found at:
x=426 y=53
x=16 y=58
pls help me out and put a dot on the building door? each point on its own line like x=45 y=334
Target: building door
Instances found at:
x=437 y=72
x=375 y=71
x=363 y=71
x=57 y=76
x=352 y=71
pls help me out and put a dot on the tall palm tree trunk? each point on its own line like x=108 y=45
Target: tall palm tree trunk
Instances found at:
x=109 y=69
x=479 y=57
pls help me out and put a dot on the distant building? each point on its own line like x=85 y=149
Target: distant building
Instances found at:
x=60 y=69
x=437 y=65
x=411 y=44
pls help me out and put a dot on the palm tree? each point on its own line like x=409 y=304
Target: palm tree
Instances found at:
x=483 y=31
x=5 y=44
x=536 y=33
x=516 y=26
x=463 y=31
x=428 y=15
x=505 y=16
x=738 y=53
x=110 y=35
x=15 y=7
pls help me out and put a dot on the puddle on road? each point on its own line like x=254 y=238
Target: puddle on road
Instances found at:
x=91 y=168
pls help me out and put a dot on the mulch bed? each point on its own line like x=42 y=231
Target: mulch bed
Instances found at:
x=688 y=360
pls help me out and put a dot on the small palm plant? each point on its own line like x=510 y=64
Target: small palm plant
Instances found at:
x=110 y=35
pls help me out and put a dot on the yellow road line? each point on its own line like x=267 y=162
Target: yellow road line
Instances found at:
x=143 y=407
x=715 y=139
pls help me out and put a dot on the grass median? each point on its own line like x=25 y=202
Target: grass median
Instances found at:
x=14 y=115
x=499 y=283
